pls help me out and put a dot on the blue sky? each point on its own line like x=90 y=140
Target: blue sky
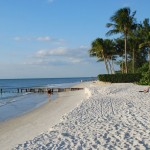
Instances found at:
x=51 y=38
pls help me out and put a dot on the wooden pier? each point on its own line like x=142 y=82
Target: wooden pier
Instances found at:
x=39 y=90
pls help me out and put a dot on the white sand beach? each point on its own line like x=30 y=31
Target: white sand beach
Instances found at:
x=108 y=116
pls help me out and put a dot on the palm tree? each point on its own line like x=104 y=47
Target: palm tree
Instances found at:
x=146 y=44
x=97 y=50
x=123 y=23
x=134 y=41
x=110 y=52
x=104 y=51
x=119 y=51
x=146 y=35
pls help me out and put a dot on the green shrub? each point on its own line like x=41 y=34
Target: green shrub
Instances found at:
x=120 y=78
x=144 y=68
x=145 y=80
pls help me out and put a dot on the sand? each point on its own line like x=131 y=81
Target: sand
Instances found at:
x=108 y=116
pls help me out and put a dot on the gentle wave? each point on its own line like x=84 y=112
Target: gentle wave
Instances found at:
x=11 y=99
x=11 y=95
x=63 y=85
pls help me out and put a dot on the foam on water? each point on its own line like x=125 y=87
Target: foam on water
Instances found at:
x=20 y=105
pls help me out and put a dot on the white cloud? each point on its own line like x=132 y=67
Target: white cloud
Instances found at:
x=41 y=39
x=41 y=53
x=75 y=60
x=53 y=52
x=61 y=56
x=50 y=1
x=62 y=51
x=17 y=38
x=37 y=62
x=46 y=38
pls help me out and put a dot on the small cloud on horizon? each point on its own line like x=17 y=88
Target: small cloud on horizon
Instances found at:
x=41 y=39
x=50 y=1
x=46 y=38
x=17 y=38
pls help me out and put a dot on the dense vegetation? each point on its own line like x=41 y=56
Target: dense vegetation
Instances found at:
x=120 y=78
x=131 y=50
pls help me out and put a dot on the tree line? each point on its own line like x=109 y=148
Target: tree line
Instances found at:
x=131 y=51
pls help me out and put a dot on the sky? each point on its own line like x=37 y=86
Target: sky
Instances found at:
x=51 y=38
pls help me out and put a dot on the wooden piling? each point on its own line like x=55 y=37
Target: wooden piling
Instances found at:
x=41 y=90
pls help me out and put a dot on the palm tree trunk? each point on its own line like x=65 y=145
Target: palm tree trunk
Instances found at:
x=149 y=58
x=112 y=65
x=122 y=66
x=106 y=65
x=125 y=45
x=133 y=61
x=109 y=65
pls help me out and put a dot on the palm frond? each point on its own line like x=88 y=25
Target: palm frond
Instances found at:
x=145 y=44
x=112 y=32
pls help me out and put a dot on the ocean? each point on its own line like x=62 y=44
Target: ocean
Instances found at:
x=13 y=104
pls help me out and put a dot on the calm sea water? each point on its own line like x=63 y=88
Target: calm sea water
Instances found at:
x=13 y=104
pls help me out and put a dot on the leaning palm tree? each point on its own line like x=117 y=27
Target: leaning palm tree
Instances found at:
x=110 y=53
x=123 y=23
x=104 y=50
x=97 y=50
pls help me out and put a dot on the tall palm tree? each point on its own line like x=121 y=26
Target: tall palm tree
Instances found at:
x=120 y=50
x=134 y=41
x=146 y=44
x=146 y=35
x=122 y=22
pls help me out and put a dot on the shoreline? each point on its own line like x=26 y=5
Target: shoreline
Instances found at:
x=27 y=126
x=26 y=103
